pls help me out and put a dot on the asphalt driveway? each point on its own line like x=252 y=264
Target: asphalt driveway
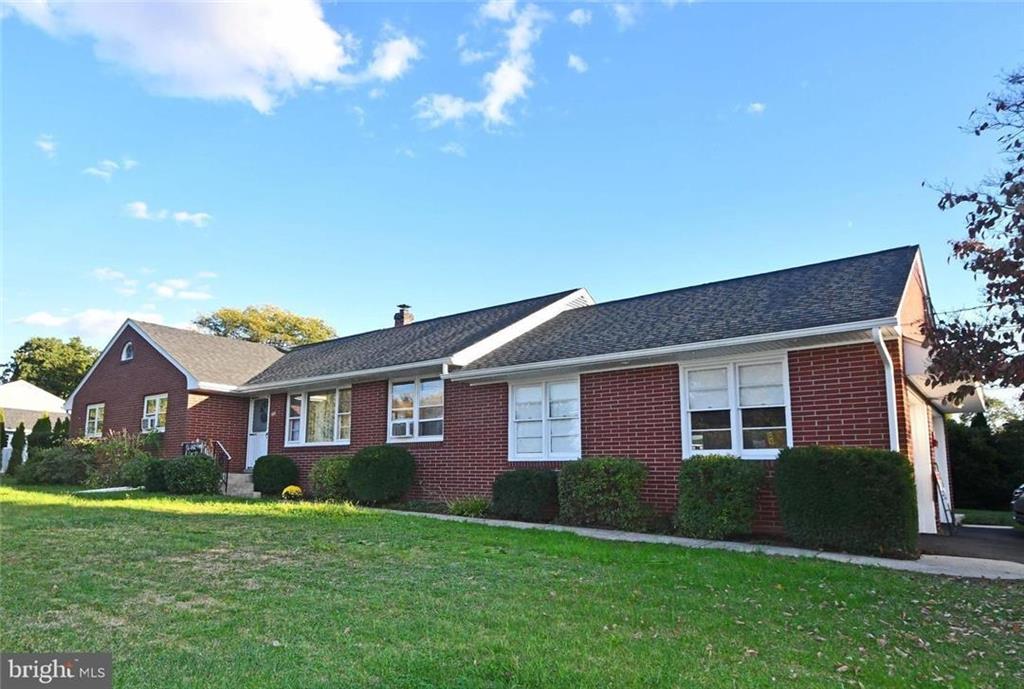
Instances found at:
x=988 y=542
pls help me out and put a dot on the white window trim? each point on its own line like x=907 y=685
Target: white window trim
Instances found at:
x=732 y=366
x=145 y=400
x=302 y=418
x=98 y=431
x=546 y=455
x=416 y=437
x=125 y=354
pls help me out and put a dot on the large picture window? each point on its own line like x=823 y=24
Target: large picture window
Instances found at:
x=544 y=420
x=154 y=413
x=736 y=409
x=94 y=420
x=416 y=409
x=319 y=417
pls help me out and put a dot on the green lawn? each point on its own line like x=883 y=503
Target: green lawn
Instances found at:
x=221 y=593
x=987 y=517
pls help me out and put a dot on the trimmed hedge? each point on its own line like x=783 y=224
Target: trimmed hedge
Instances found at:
x=717 y=496
x=155 y=481
x=529 y=495
x=65 y=465
x=329 y=478
x=381 y=473
x=858 y=500
x=273 y=473
x=603 y=492
x=192 y=475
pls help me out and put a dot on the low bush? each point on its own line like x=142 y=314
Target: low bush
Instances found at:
x=469 y=507
x=844 y=498
x=292 y=493
x=381 y=473
x=133 y=472
x=603 y=492
x=329 y=478
x=152 y=442
x=111 y=454
x=529 y=495
x=155 y=481
x=273 y=473
x=717 y=496
x=192 y=475
x=65 y=465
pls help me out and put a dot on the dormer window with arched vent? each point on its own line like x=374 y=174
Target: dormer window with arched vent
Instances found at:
x=128 y=352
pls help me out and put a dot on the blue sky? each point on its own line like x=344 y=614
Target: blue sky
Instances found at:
x=163 y=160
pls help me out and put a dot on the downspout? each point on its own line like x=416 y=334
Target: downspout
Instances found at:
x=890 y=389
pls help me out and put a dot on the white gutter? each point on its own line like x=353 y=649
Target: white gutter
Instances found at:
x=890 y=389
x=284 y=384
x=612 y=357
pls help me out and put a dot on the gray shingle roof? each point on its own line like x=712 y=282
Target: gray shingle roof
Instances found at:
x=846 y=290
x=209 y=358
x=426 y=340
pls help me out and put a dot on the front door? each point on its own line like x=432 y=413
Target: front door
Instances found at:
x=259 y=421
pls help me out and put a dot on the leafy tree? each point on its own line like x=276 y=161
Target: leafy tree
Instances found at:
x=987 y=348
x=17 y=450
x=268 y=324
x=60 y=431
x=51 y=363
x=42 y=433
x=3 y=432
x=986 y=464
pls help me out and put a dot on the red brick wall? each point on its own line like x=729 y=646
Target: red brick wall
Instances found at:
x=121 y=386
x=636 y=413
x=473 y=453
x=222 y=418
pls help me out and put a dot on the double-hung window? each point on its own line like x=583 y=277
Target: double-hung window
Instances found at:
x=736 y=408
x=544 y=420
x=154 y=413
x=416 y=410
x=94 y=420
x=319 y=417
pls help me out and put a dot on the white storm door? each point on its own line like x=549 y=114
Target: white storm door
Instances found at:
x=259 y=422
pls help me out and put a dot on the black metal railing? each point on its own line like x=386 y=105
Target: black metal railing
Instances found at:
x=214 y=449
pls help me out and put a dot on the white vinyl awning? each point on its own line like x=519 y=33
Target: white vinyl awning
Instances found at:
x=916 y=365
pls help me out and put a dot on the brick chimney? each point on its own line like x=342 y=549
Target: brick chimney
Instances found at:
x=404 y=316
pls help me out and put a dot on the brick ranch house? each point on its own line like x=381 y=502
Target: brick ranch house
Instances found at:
x=830 y=353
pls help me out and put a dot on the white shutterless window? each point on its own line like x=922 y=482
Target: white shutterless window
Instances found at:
x=544 y=420
x=94 y=420
x=416 y=410
x=154 y=413
x=319 y=417
x=736 y=408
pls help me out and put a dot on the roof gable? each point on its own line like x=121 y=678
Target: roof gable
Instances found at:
x=848 y=290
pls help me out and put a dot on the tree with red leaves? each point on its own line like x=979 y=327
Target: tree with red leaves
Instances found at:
x=985 y=345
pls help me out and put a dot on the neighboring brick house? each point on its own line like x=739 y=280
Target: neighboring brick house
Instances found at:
x=829 y=353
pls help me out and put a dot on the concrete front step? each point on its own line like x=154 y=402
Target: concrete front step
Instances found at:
x=240 y=486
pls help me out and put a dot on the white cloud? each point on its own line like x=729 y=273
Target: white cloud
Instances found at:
x=500 y=10
x=194 y=295
x=580 y=17
x=140 y=211
x=507 y=83
x=47 y=144
x=106 y=274
x=625 y=14
x=179 y=288
x=453 y=148
x=376 y=92
x=258 y=51
x=105 y=169
x=196 y=219
x=90 y=324
x=756 y=108
x=405 y=151
x=126 y=286
x=577 y=63
x=359 y=114
x=468 y=56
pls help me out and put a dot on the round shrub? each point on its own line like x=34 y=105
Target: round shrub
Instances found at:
x=603 y=492
x=329 y=478
x=133 y=472
x=292 y=493
x=154 y=480
x=529 y=495
x=717 y=496
x=380 y=473
x=192 y=475
x=273 y=473
x=859 y=500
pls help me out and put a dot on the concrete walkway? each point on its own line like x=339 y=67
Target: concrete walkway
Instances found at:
x=928 y=564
